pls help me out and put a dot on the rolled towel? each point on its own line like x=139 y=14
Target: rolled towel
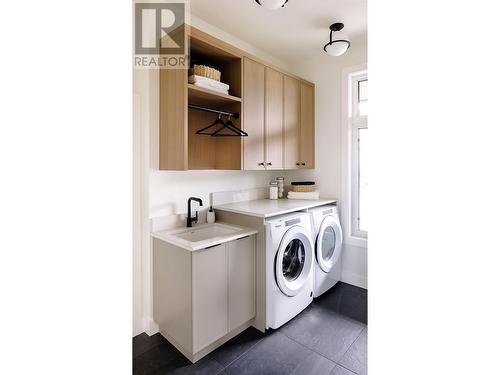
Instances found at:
x=209 y=87
x=312 y=195
x=208 y=83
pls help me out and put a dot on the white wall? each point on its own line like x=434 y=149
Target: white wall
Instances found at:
x=326 y=72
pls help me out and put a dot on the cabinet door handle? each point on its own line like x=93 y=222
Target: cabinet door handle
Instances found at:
x=269 y=163
x=297 y=163
x=261 y=164
x=303 y=163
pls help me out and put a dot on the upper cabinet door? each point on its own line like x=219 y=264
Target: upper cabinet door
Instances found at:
x=173 y=132
x=253 y=115
x=291 y=122
x=274 y=119
x=306 y=125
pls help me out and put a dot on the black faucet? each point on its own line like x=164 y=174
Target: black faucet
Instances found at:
x=190 y=219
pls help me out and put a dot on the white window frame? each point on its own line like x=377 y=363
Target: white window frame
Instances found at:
x=349 y=136
x=357 y=122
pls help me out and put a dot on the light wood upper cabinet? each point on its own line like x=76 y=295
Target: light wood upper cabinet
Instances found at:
x=274 y=119
x=306 y=125
x=274 y=107
x=253 y=115
x=291 y=122
x=180 y=147
x=298 y=116
x=262 y=116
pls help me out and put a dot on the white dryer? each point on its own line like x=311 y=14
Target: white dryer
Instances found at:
x=289 y=267
x=327 y=237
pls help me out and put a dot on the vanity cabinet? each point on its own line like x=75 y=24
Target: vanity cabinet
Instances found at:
x=203 y=298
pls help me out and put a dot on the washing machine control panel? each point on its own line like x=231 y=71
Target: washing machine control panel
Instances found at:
x=292 y=222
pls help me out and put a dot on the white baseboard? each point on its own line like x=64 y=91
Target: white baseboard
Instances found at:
x=354 y=279
x=150 y=327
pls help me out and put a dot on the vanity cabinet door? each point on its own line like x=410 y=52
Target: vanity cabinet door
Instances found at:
x=209 y=296
x=241 y=268
x=253 y=115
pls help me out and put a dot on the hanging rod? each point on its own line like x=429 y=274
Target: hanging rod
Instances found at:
x=234 y=115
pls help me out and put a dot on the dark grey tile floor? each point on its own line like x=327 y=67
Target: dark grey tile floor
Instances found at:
x=329 y=337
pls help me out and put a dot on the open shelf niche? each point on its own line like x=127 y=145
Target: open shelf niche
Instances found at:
x=180 y=147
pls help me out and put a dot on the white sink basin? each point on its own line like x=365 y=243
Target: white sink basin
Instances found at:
x=204 y=235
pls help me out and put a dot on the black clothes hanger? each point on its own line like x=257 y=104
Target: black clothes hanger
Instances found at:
x=235 y=131
x=230 y=124
x=218 y=121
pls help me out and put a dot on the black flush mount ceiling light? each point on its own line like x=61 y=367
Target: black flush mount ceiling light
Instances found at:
x=272 y=4
x=339 y=42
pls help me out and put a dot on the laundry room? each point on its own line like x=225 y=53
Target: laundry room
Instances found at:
x=186 y=187
x=248 y=195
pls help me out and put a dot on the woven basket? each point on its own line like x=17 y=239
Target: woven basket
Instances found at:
x=303 y=188
x=206 y=71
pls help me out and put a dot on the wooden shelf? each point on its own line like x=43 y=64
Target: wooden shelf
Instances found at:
x=201 y=96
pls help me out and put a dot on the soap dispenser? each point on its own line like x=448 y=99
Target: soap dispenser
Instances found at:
x=211 y=215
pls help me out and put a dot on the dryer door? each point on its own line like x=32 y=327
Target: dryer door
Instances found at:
x=293 y=262
x=328 y=243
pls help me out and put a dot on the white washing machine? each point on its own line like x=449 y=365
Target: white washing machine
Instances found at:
x=289 y=267
x=327 y=238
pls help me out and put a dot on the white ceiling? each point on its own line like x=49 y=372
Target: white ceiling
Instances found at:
x=297 y=31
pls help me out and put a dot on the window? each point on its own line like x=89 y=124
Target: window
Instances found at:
x=358 y=123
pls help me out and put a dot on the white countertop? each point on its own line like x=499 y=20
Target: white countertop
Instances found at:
x=218 y=233
x=268 y=207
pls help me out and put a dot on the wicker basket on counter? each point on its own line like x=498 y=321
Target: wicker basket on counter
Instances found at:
x=206 y=71
x=303 y=186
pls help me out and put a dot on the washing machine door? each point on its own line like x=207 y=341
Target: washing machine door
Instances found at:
x=293 y=261
x=328 y=243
